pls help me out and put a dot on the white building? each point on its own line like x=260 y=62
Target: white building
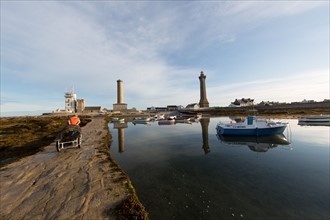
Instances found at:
x=70 y=101
x=193 y=106
x=242 y=102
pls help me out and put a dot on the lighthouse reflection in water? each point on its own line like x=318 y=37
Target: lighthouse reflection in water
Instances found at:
x=187 y=171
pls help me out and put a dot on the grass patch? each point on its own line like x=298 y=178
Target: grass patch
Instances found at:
x=23 y=136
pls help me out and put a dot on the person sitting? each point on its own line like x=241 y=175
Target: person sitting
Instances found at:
x=72 y=130
x=74 y=120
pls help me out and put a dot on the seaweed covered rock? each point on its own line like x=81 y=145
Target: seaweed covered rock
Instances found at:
x=131 y=208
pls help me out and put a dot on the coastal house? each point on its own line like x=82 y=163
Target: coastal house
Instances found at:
x=82 y=108
x=157 y=109
x=91 y=109
x=174 y=107
x=164 y=109
x=193 y=106
x=242 y=102
x=265 y=103
x=307 y=101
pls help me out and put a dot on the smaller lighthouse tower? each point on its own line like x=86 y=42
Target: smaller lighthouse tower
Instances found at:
x=70 y=101
x=120 y=105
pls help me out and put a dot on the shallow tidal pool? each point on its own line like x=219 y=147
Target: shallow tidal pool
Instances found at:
x=187 y=171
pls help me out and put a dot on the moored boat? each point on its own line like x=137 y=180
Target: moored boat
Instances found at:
x=301 y=123
x=316 y=119
x=182 y=119
x=141 y=120
x=251 y=126
x=159 y=117
x=120 y=120
x=168 y=121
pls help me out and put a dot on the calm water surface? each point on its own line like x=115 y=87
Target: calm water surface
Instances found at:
x=185 y=171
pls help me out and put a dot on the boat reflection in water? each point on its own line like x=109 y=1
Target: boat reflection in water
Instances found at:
x=256 y=143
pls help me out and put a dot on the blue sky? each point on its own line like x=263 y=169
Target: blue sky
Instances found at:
x=265 y=50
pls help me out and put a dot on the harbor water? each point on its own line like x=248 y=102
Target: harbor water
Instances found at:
x=187 y=171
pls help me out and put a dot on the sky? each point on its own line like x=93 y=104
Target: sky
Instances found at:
x=264 y=50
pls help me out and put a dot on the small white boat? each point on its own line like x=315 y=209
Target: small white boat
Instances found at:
x=141 y=120
x=159 y=117
x=251 y=126
x=141 y=123
x=318 y=119
x=182 y=119
x=120 y=120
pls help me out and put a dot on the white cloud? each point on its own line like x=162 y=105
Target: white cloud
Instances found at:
x=312 y=85
x=254 y=10
x=92 y=44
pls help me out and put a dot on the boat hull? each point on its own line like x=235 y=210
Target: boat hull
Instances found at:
x=166 y=122
x=314 y=123
x=315 y=119
x=251 y=131
x=277 y=139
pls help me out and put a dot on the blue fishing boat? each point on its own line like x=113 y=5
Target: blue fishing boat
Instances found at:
x=251 y=126
x=255 y=143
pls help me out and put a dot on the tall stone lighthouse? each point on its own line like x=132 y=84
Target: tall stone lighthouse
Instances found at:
x=120 y=105
x=203 y=100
